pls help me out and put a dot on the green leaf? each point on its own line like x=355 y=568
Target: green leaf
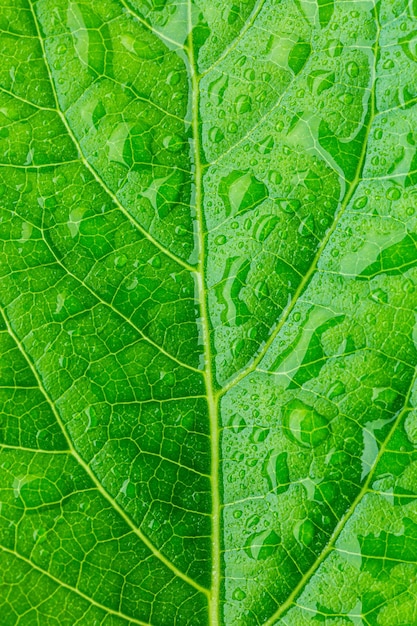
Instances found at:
x=208 y=277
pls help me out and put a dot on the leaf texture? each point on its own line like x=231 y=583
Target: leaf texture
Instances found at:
x=208 y=272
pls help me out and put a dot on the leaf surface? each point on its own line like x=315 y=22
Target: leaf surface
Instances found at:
x=208 y=274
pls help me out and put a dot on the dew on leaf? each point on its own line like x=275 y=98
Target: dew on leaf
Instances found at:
x=360 y=203
x=352 y=69
x=276 y=471
x=304 y=425
x=121 y=260
x=265 y=146
x=220 y=240
x=262 y=545
x=393 y=193
x=215 y=134
x=306 y=532
x=243 y=104
x=239 y=594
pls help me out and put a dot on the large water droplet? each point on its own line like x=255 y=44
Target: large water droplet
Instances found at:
x=217 y=88
x=276 y=471
x=305 y=532
x=265 y=146
x=243 y=104
x=304 y=424
x=216 y=134
x=238 y=594
x=352 y=69
x=241 y=191
x=261 y=545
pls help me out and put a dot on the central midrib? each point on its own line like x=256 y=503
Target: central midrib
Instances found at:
x=212 y=398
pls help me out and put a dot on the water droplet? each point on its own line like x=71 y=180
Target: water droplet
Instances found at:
x=237 y=514
x=232 y=128
x=304 y=424
x=276 y=471
x=379 y=295
x=360 y=203
x=259 y=434
x=306 y=228
x=252 y=521
x=274 y=177
x=334 y=48
x=120 y=261
x=265 y=146
x=261 y=289
x=62 y=49
x=393 y=193
x=237 y=423
x=173 y=143
x=92 y=417
x=260 y=546
x=215 y=134
x=173 y=78
x=217 y=89
x=241 y=191
x=352 y=69
x=168 y=378
x=410 y=427
x=220 y=240
x=238 y=594
x=336 y=389
x=306 y=532
x=346 y=98
x=155 y=262
x=243 y=104
x=388 y=65
x=40 y=535
x=289 y=205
